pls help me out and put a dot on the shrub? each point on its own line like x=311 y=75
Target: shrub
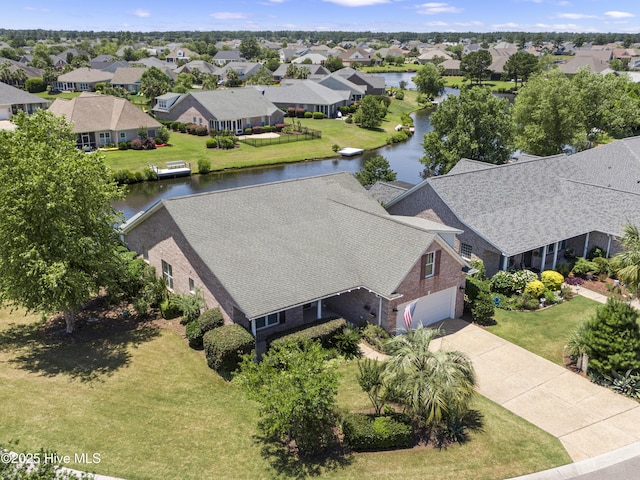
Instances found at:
x=280 y=126
x=344 y=110
x=210 y=143
x=595 y=252
x=182 y=127
x=604 y=266
x=535 y=289
x=318 y=115
x=300 y=112
x=504 y=302
x=169 y=309
x=158 y=141
x=150 y=174
x=375 y=336
x=397 y=137
x=125 y=177
x=194 y=335
x=474 y=287
x=509 y=283
x=35 y=85
x=190 y=305
x=225 y=142
x=584 y=266
x=574 y=281
x=308 y=115
x=291 y=112
x=527 y=302
x=550 y=298
x=400 y=95
x=248 y=131
x=122 y=146
x=369 y=433
x=348 y=120
x=175 y=126
x=204 y=164
x=483 y=309
x=163 y=135
x=256 y=130
x=347 y=342
x=224 y=347
x=210 y=319
x=552 y=280
x=324 y=332
x=149 y=144
x=136 y=144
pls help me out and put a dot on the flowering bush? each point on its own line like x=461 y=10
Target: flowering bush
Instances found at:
x=535 y=289
x=574 y=281
x=509 y=283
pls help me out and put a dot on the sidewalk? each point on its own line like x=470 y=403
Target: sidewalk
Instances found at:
x=598 y=297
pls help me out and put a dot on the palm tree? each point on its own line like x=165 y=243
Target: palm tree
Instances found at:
x=436 y=387
x=627 y=262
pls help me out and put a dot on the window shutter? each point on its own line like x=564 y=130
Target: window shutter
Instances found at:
x=282 y=316
x=423 y=261
x=436 y=262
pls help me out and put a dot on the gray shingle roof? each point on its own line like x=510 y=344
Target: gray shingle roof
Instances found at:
x=306 y=92
x=283 y=244
x=14 y=96
x=234 y=103
x=527 y=204
x=85 y=74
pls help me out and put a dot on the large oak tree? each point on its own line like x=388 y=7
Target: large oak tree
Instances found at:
x=58 y=245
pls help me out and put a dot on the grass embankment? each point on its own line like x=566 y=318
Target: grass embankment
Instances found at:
x=192 y=148
x=152 y=409
x=544 y=332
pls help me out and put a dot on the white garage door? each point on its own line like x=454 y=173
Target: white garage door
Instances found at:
x=427 y=310
x=5 y=113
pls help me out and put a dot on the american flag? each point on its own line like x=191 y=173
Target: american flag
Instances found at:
x=408 y=315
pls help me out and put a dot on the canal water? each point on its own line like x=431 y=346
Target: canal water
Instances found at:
x=404 y=158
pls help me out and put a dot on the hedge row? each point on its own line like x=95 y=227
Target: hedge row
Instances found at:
x=225 y=345
x=208 y=320
x=324 y=332
x=369 y=433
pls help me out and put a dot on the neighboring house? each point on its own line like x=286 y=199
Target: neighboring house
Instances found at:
x=358 y=55
x=82 y=80
x=222 y=57
x=180 y=53
x=281 y=71
x=281 y=255
x=13 y=99
x=336 y=82
x=109 y=65
x=243 y=69
x=451 y=67
x=309 y=95
x=100 y=120
x=197 y=66
x=532 y=212
x=229 y=109
x=375 y=84
x=432 y=54
x=152 y=62
x=595 y=60
x=310 y=59
x=286 y=54
x=18 y=69
x=128 y=78
x=384 y=192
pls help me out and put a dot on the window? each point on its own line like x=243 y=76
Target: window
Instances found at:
x=167 y=274
x=429 y=263
x=151 y=133
x=267 y=321
x=194 y=119
x=123 y=135
x=162 y=104
x=465 y=250
x=192 y=285
x=563 y=245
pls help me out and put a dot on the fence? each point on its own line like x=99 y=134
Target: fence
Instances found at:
x=305 y=134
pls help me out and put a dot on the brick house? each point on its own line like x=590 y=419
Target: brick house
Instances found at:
x=284 y=254
x=530 y=213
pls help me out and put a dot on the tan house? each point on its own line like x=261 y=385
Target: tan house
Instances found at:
x=13 y=99
x=81 y=80
x=280 y=255
x=101 y=120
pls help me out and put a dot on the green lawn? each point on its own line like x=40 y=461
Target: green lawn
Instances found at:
x=192 y=148
x=495 y=85
x=544 y=332
x=152 y=409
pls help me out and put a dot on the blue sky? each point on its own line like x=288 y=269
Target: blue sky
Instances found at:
x=352 y=15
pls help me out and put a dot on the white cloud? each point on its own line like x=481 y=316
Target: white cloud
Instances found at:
x=141 y=13
x=614 y=14
x=229 y=15
x=508 y=25
x=34 y=9
x=356 y=3
x=435 y=8
x=564 y=4
x=437 y=24
x=575 y=16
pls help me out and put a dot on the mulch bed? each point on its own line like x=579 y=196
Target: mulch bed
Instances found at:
x=602 y=288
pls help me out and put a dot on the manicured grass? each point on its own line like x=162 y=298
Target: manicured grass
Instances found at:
x=152 y=409
x=48 y=96
x=495 y=85
x=192 y=148
x=407 y=67
x=544 y=332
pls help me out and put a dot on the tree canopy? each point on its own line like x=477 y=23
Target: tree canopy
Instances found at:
x=475 y=65
x=371 y=112
x=627 y=262
x=475 y=125
x=520 y=66
x=58 y=244
x=375 y=169
x=154 y=82
x=429 y=80
x=296 y=391
x=249 y=48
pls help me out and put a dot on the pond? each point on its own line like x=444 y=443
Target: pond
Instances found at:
x=404 y=158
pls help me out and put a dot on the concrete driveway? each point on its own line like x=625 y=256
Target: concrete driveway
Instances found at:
x=588 y=419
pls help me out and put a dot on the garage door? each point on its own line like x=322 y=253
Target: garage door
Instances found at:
x=427 y=310
x=5 y=113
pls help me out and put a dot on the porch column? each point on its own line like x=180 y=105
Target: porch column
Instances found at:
x=379 y=311
x=555 y=255
x=319 y=310
x=505 y=262
x=586 y=245
x=253 y=327
x=544 y=258
x=608 y=245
